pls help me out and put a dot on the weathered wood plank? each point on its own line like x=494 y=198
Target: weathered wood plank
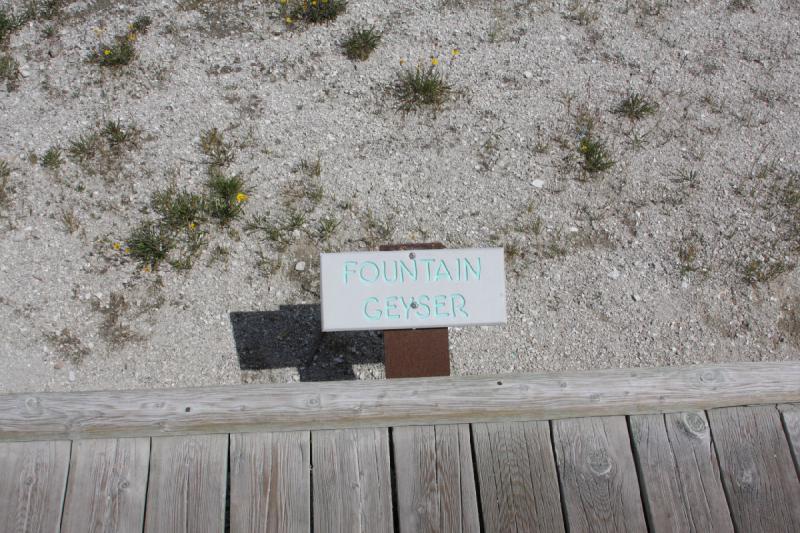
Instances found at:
x=435 y=480
x=107 y=485
x=517 y=477
x=791 y=423
x=33 y=478
x=679 y=473
x=352 y=480
x=186 y=492
x=270 y=482
x=598 y=475
x=757 y=469
x=401 y=402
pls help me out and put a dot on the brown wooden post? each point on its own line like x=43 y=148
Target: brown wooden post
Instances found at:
x=416 y=353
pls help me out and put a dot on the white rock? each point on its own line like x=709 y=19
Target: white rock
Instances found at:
x=538 y=183
x=71 y=376
x=636 y=297
x=528 y=74
x=300 y=266
x=614 y=274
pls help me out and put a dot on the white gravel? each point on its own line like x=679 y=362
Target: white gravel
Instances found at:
x=598 y=274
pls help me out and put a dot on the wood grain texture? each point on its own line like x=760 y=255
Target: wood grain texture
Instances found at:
x=435 y=480
x=270 y=482
x=598 y=475
x=517 y=477
x=679 y=473
x=33 y=478
x=757 y=469
x=186 y=492
x=791 y=423
x=107 y=486
x=401 y=402
x=352 y=481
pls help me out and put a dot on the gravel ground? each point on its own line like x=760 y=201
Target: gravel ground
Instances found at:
x=682 y=252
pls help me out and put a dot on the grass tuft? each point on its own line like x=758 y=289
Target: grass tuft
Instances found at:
x=5 y=173
x=596 y=157
x=52 y=158
x=84 y=147
x=119 y=53
x=360 y=43
x=420 y=88
x=635 y=107
x=116 y=134
x=213 y=145
x=226 y=197
x=140 y=25
x=150 y=244
x=9 y=72
x=179 y=209
x=316 y=11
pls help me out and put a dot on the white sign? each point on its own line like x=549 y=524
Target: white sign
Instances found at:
x=413 y=289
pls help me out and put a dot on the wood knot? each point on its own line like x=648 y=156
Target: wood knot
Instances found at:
x=695 y=423
x=599 y=463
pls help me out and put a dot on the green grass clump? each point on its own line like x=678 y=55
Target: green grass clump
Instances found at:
x=7 y=25
x=315 y=11
x=116 y=134
x=360 y=43
x=179 y=209
x=150 y=244
x=9 y=71
x=635 y=107
x=52 y=158
x=227 y=195
x=84 y=147
x=5 y=173
x=421 y=88
x=120 y=52
x=761 y=271
x=140 y=25
x=596 y=157
x=213 y=145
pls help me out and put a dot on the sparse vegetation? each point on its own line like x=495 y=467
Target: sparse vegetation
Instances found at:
x=360 y=43
x=227 y=196
x=761 y=270
x=52 y=158
x=313 y=11
x=596 y=157
x=179 y=209
x=213 y=145
x=5 y=173
x=117 y=53
x=420 y=88
x=635 y=107
x=68 y=345
x=150 y=243
x=117 y=135
x=9 y=72
x=70 y=221
x=84 y=147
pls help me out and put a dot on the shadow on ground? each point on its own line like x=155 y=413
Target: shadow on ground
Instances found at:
x=292 y=337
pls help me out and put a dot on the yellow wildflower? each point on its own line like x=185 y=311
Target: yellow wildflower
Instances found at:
x=106 y=52
x=402 y=61
x=313 y=2
x=146 y=268
x=116 y=246
x=455 y=52
x=434 y=61
x=241 y=197
x=289 y=20
x=192 y=225
x=131 y=36
x=283 y=2
x=127 y=250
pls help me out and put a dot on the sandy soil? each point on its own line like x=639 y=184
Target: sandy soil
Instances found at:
x=682 y=252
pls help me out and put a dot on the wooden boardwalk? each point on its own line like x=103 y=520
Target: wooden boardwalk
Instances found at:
x=72 y=463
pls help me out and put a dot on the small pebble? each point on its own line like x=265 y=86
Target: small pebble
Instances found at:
x=636 y=297
x=538 y=183
x=71 y=376
x=528 y=74
x=614 y=274
x=300 y=266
